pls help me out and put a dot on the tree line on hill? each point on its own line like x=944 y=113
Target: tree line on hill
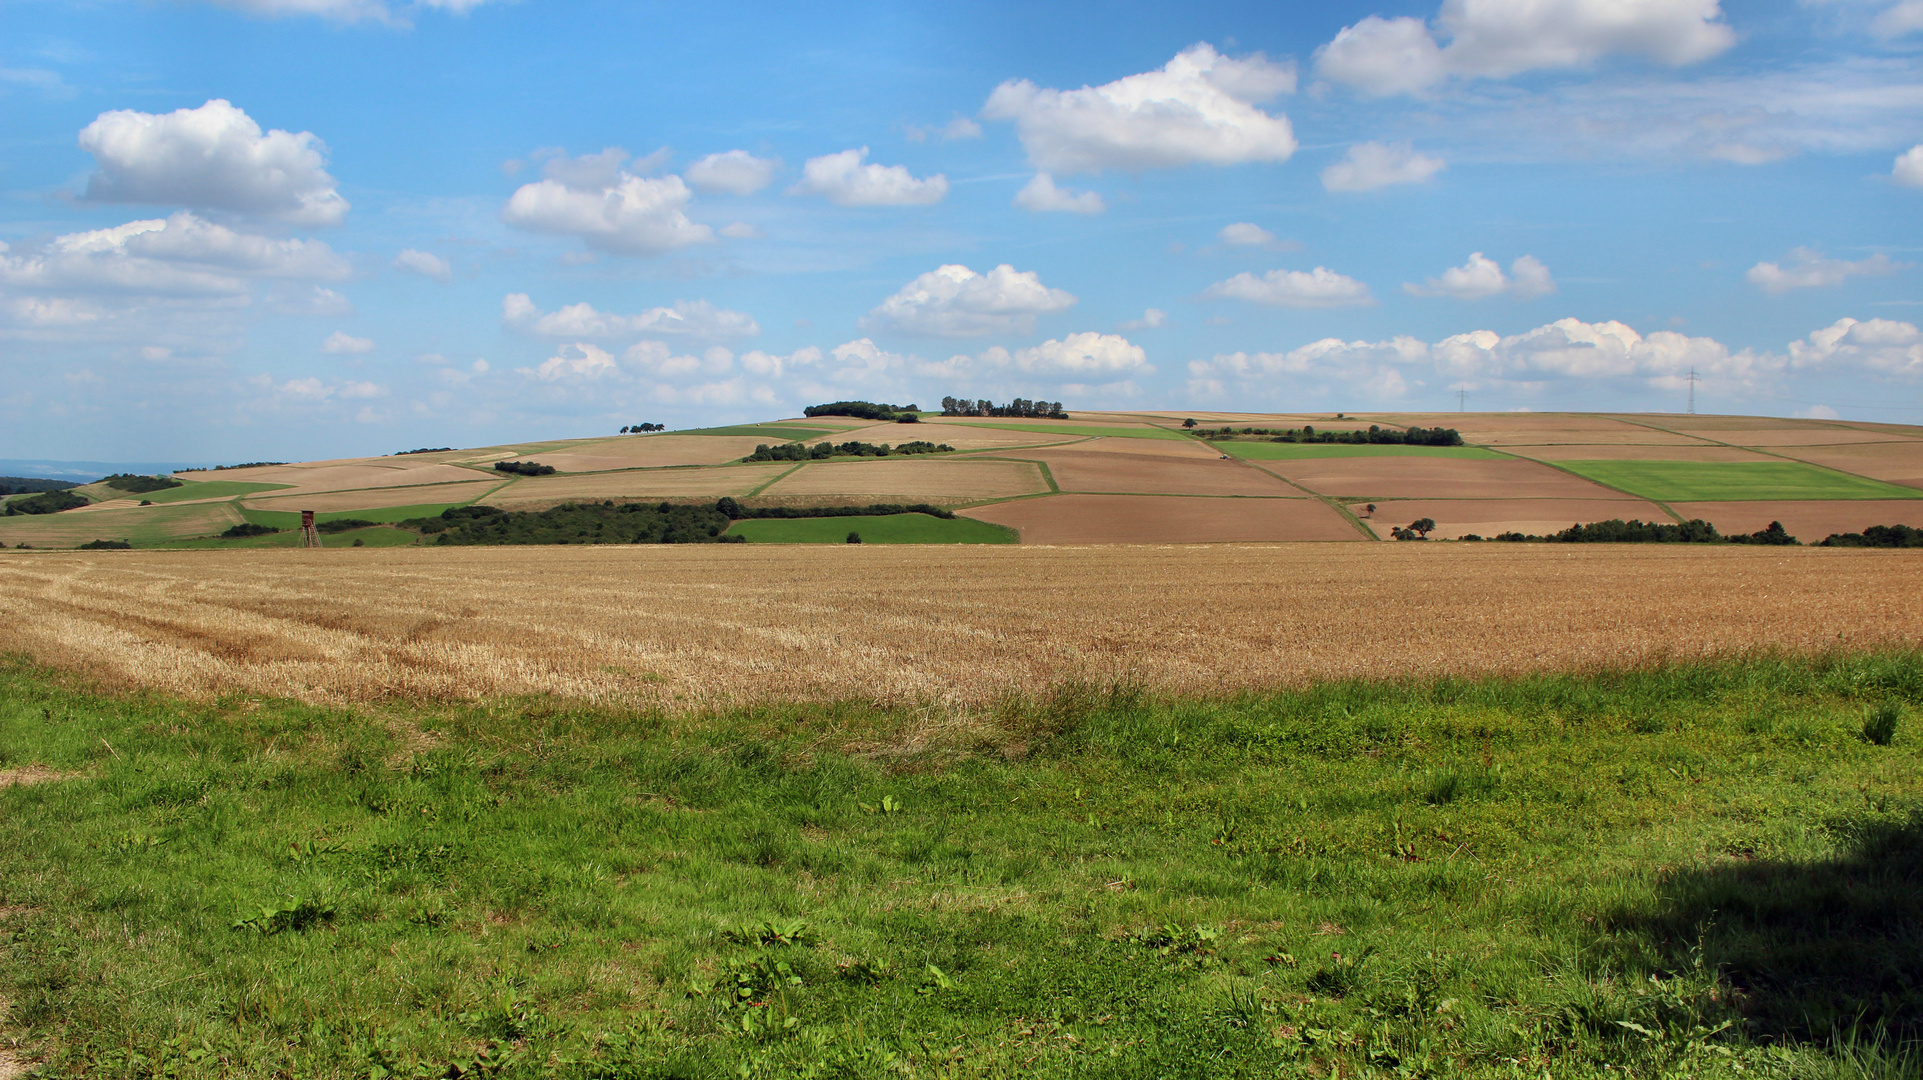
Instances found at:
x=823 y=450
x=26 y=485
x=866 y=410
x=423 y=450
x=46 y=502
x=641 y=429
x=577 y=523
x=737 y=512
x=524 y=468
x=1375 y=436
x=1618 y=531
x=247 y=465
x=1019 y=408
x=135 y=484
x=1880 y=536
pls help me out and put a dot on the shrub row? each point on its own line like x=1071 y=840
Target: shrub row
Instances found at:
x=737 y=512
x=1375 y=436
x=524 y=468
x=47 y=502
x=1618 y=531
x=1019 y=407
x=864 y=410
x=577 y=523
x=819 y=451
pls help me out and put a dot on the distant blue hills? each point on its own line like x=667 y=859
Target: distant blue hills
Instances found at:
x=86 y=472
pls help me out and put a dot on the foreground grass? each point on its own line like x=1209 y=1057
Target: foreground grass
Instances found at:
x=1697 y=870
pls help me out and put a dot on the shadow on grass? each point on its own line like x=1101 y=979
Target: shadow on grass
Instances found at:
x=1821 y=952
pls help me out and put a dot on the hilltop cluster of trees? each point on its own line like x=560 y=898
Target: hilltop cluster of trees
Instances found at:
x=21 y=485
x=1882 y=536
x=737 y=512
x=821 y=450
x=423 y=450
x=524 y=468
x=1020 y=407
x=866 y=410
x=577 y=523
x=1376 y=435
x=246 y=465
x=47 y=502
x=135 y=484
x=1618 y=531
x=642 y=429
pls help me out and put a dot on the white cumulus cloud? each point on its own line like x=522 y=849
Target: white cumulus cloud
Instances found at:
x=177 y=255
x=608 y=207
x=1371 y=165
x=1199 y=108
x=1318 y=288
x=844 y=180
x=686 y=318
x=1152 y=318
x=580 y=360
x=1086 y=356
x=1908 y=169
x=735 y=172
x=340 y=343
x=211 y=158
x=961 y=127
x=954 y=301
x=425 y=263
x=1880 y=345
x=1481 y=277
x=1809 y=269
x=1042 y=196
x=1245 y=234
x=1500 y=38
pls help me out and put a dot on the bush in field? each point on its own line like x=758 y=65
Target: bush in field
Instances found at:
x=1892 y=536
x=1879 y=727
x=47 y=502
x=105 y=545
x=854 y=538
x=341 y=525
x=135 y=484
x=248 y=528
x=524 y=468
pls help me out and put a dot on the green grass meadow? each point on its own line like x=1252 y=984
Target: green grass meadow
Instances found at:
x=1696 y=870
x=881 y=529
x=206 y=489
x=1706 y=481
x=290 y=519
x=1274 y=451
x=378 y=536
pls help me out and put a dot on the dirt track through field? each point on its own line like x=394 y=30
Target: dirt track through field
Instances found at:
x=702 y=625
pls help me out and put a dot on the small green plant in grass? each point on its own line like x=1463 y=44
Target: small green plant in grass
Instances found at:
x=771 y=933
x=295 y=916
x=1879 y=727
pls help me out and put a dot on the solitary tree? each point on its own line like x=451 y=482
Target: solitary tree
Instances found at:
x=1371 y=509
x=1189 y=423
x=1422 y=526
x=854 y=538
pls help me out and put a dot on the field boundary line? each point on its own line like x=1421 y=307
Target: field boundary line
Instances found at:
x=776 y=479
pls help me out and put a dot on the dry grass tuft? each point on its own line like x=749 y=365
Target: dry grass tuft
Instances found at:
x=957 y=630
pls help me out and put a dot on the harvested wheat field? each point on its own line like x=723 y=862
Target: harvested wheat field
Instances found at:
x=139 y=524
x=965 y=437
x=648 y=451
x=1162 y=519
x=374 y=498
x=1814 y=435
x=711 y=625
x=1500 y=429
x=1418 y=477
x=344 y=476
x=539 y=492
x=1895 y=462
x=1076 y=469
x=913 y=479
x=1808 y=521
x=1487 y=517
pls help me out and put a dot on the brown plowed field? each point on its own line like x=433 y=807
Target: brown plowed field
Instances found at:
x=1634 y=452
x=1417 y=477
x=914 y=479
x=648 y=451
x=1161 y=519
x=1487 y=517
x=965 y=437
x=1807 y=521
x=1896 y=462
x=1186 y=449
x=1081 y=470
x=686 y=627
x=538 y=492
x=374 y=498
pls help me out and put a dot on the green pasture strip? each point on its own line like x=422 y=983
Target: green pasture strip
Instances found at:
x=1274 y=451
x=207 y=489
x=141 y=526
x=773 y=431
x=1729 y=481
x=378 y=536
x=1079 y=430
x=885 y=529
x=290 y=519
x=1698 y=870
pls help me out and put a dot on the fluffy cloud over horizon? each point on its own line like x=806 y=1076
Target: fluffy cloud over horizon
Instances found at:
x=1042 y=196
x=426 y=264
x=1199 y=108
x=340 y=343
x=1371 y=165
x=1809 y=269
x=607 y=207
x=1481 y=278
x=690 y=318
x=1908 y=169
x=213 y=158
x=1318 y=288
x=954 y=301
x=1496 y=39
x=844 y=179
x=735 y=172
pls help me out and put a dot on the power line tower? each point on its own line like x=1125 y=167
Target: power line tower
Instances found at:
x=1692 y=391
x=309 y=536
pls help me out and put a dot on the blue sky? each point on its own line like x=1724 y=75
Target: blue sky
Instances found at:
x=298 y=228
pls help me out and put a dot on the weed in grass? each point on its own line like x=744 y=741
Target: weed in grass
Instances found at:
x=1879 y=727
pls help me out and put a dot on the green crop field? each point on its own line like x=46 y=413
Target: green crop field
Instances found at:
x=1082 y=431
x=379 y=536
x=140 y=526
x=1274 y=451
x=884 y=529
x=1702 y=481
x=1691 y=871
x=206 y=489
x=289 y=519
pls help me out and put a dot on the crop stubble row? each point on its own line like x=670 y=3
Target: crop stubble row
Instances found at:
x=699 y=626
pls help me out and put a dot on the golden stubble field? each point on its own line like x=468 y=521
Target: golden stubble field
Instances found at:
x=949 y=627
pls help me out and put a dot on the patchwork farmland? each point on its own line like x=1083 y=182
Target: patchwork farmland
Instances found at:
x=1102 y=478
